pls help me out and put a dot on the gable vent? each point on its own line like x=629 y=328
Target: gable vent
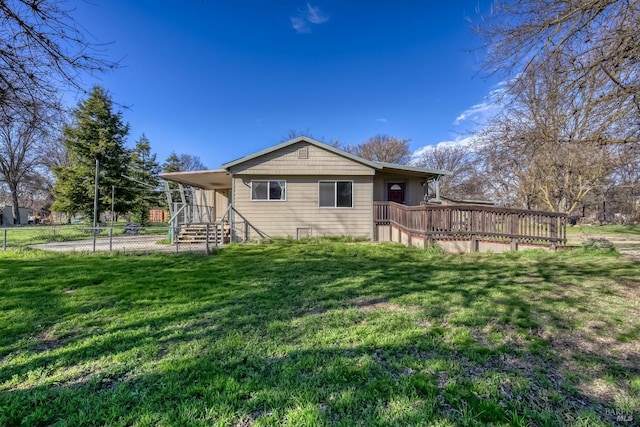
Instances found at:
x=303 y=153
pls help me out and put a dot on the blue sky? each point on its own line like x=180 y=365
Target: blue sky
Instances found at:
x=222 y=79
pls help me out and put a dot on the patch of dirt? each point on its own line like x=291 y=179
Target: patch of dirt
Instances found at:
x=368 y=305
x=49 y=340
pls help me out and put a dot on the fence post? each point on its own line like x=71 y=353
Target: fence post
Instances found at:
x=110 y=239
x=554 y=233
x=474 y=243
x=4 y=241
x=95 y=233
x=176 y=237
x=515 y=231
x=207 y=240
x=215 y=234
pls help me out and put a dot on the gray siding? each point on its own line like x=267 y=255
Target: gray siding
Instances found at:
x=291 y=161
x=301 y=210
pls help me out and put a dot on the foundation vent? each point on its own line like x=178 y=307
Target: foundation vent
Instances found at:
x=304 y=232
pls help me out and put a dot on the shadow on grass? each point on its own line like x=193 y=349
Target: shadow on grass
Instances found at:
x=304 y=335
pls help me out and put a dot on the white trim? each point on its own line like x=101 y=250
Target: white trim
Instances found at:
x=268 y=181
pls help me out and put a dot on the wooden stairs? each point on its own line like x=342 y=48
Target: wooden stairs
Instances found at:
x=197 y=233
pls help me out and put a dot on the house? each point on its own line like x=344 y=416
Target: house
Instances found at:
x=6 y=215
x=299 y=188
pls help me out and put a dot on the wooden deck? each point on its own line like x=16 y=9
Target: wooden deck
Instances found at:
x=477 y=227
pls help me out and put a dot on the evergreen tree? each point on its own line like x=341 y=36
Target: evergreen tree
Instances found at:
x=172 y=164
x=97 y=135
x=144 y=169
x=182 y=163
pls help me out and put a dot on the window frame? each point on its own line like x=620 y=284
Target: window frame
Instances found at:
x=335 y=193
x=268 y=182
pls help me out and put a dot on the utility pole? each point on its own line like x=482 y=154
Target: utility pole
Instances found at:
x=95 y=198
x=113 y=198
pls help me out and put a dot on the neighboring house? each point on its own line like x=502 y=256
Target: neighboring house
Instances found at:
x=303 y=187
x=6 y=215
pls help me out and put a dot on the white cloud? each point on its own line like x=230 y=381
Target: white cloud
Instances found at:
x=300 y=25
x=480 y=112
x=471 y=119
x=461 y=141
x=310 y=15
x=382 y=120
x=474 y=113
x=315 y=15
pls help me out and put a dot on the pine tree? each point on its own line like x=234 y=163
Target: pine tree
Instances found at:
x=98 y=135
x=144 y=169
x=182 y=163
x=172 y=164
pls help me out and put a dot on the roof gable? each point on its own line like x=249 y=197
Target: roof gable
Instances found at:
x=392 y=167
x=308 y=140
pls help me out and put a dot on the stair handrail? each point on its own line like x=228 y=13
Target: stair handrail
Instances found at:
x=175 y=215
x=230 y=207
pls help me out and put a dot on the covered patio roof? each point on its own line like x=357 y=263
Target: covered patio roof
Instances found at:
x=218 y=179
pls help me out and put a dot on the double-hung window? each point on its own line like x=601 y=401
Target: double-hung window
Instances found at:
x=269 y=190
x=335 y=194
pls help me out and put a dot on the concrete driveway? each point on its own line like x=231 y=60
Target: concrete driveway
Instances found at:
x=146 y=244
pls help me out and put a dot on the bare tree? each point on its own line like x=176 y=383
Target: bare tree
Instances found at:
x=383 y=148
x=464 y=182
x=182 y=163
x=21 y=153
x=547 y=148
x=624 y=183
x=296 y=133
x=598 y=40
x=42 y=48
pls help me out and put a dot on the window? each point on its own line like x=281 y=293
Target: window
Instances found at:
x=268 y=190
x=335 y=194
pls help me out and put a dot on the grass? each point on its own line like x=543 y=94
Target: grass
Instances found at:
x=600 y=229
x=22 y=236
x=319 y=333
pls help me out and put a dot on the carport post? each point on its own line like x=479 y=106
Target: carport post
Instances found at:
x=207 y=239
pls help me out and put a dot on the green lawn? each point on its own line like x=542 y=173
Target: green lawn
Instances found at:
x=321 y=333
x=22 y=236
x=605 y=229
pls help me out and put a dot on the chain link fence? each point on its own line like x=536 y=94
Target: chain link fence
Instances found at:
x=112 y=238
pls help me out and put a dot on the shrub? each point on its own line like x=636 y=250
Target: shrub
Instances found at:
x=597 y=243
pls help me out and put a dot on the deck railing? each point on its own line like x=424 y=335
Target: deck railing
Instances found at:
x=474 y=222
